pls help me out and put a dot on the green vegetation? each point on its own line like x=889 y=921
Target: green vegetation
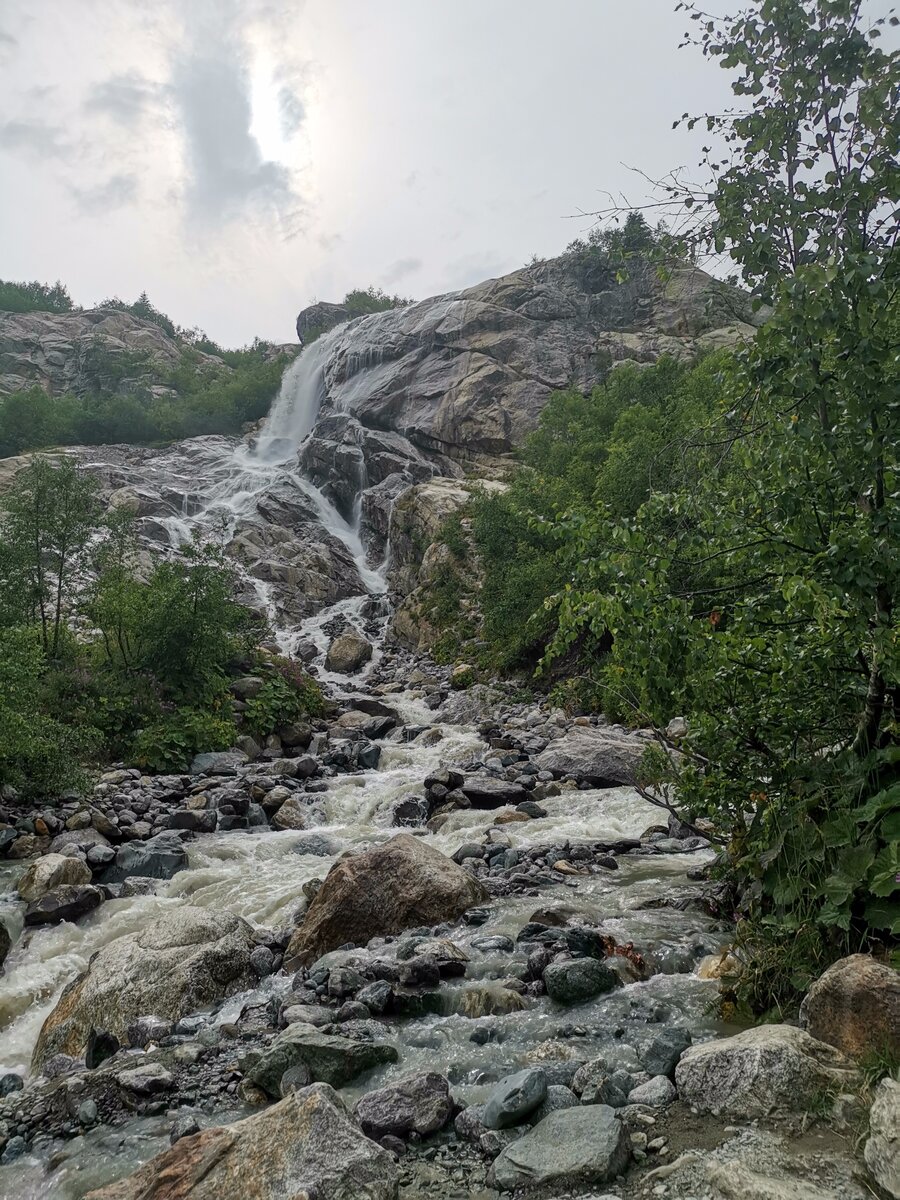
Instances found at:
x=128 y=396
x=720 y=542
x=34 y=297
x=149 y=683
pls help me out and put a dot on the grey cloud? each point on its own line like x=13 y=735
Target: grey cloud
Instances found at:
x=400 y=269
x=35 y=138
x=328 y=241
x=124 y=98
x=291 y=110
x=7 y=39
x=115 y=192
x=210 y=88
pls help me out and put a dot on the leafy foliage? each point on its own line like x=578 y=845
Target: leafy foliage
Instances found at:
x=359 y=303
x=34 y=297
x=149 y=683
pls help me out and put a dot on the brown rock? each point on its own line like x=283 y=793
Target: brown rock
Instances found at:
x=384 y=891
x=855 y=1006
x=305 y=1147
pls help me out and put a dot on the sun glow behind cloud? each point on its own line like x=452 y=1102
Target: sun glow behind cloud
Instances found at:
x=266 y=123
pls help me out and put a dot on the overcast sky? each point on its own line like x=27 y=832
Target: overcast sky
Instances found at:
x=239 y=159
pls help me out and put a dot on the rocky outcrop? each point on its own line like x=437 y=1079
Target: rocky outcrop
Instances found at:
x=571 y=1148
x=318 y=318
x=82 y=352
x=186 y=960
x=51 y=871
x=384 y=891
x=771 y=1069
x=855 y=1006
x=306 y=1146
x=468 y=373
x=325 y=1059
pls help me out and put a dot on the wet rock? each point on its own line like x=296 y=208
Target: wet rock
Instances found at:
x=486 y=1000
x=332 y=1060
x=87 y=1112
x=662 y=1055
x=596 y=754
x=5 y=943
x=185 y=960
x=306 y=1145
x=9 y=1083
x=576 y=1147
x=221 y=762
x=101 y=1045
x=396 y=886
x=578 y=980
x=855 y=1006
x=49 y=872
x=882 y=1151
x=348 y=653
x=161 y=857
x=376 y=996
x=311 y=1014
x=262 y=961
x=294 y=813
x=66 y=903
x=775 y=1068
x=183 y=1126
x=514 y=1098
x=418 y=1104
x=484 y=791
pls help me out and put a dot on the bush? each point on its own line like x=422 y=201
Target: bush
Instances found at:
x=288 y=695
x=170 y=743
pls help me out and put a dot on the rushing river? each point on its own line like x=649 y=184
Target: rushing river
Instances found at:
x=259 y=875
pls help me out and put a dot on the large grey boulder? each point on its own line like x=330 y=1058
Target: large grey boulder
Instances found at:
x=332 y=1060
x=396 y=886
x=51 y=871
x=307 y=1146
x=574 y=1147
x=348 y=653
x=185 y=960
x=159 y=857
x=882 y=1152
x=419 y=1104
x=774 y=1068
x=596 y=754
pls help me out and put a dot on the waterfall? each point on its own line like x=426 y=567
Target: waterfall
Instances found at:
x=294 y=411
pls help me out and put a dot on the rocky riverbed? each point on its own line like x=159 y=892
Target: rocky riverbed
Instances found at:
x=479 y=962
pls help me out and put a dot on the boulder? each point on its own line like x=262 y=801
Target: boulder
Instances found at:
x=419 y=1104
x=187 y=959
x=159 y=857
x=514 y=1099
x=774 y=1068
x=485 y=791
x=218 y=762
x=332 y=1060
x=595 y=754
x=5 y=943
x=305 y=1146
x=65 y=903
x=656 y=1092
x=292 y=814
x=855 y=1006
x=882 y=1152
x=396 y=886
x=571 y=1148
x=347 y=653
x=51 y=871
x=579 y=979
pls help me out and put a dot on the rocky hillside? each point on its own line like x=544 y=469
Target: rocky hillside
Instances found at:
x=80 y=352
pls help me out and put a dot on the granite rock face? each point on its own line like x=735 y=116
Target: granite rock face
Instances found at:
x=855 y=1005
x=305 y=1146
x=183 y=962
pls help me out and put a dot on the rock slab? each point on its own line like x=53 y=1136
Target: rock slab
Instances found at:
x=575 y=1147
x=771 y=1069
x=307 y=1146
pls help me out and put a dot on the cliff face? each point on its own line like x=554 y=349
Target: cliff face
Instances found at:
x=80 y=352
x=465 y=376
